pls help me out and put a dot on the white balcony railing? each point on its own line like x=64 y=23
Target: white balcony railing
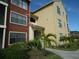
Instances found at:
x=33 y=23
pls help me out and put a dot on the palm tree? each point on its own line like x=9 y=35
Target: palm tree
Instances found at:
x=47 y=39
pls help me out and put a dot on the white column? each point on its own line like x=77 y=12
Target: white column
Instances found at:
x=3 y=41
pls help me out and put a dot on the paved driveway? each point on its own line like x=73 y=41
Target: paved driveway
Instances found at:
x=65 y=54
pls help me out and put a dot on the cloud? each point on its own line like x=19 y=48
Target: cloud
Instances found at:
x=39 y=4
x=68 y=9
x=72 y=10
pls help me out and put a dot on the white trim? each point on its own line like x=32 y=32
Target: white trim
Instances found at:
x=5 y=17
x=19 y=6
x=3 y=41
x=3 y=3
x=15 y=32
x=4 y=27
x=18 y=14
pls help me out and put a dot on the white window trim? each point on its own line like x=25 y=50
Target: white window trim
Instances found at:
x=18 y=23
x=19 y=6
x=15 y=32
x=3 y=3
x=4 y=26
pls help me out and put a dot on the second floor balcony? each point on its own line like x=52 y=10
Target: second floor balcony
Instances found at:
x=33 y=19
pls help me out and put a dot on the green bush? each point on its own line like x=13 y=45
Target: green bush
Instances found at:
x=35 y=44
x=19 y=45
x=16 y=51
x=2 y=55
x=15 y=54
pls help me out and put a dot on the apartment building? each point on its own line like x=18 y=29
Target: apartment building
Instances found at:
x=15 y=27
x=53 y=17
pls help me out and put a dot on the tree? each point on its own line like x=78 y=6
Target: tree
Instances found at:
x=47 y=39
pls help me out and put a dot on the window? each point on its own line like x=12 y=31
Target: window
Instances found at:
x=58 y=10
x=63 y=13
x=1 y=36
x=20 y=3
x=61 y=34
x=59 y=23
x=2 y=14
x=17 y=37
x=19 y=19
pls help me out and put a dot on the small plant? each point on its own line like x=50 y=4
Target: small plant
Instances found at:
x=34 y=44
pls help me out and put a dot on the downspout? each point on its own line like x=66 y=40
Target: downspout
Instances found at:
x=28 y=14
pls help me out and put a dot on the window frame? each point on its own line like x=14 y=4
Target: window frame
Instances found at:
x=20 y=5
x=61 y=34
x=20 y=15
x=15 y=32
x=59 y=22
x=4 y=26
x=58 y=10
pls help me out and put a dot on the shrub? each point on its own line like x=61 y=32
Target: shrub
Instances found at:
x=35 y=44
x=15 y=54
x=19 y=45
x=2 y=54
x=16 y=51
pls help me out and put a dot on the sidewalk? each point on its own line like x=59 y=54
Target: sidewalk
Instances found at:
x=65 y=54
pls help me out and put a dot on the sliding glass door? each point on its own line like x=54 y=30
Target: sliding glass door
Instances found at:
x=1 y=37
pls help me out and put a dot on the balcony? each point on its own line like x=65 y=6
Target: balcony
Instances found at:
x=33 y=19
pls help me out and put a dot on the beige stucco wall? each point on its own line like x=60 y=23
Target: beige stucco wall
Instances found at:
x=48 y=19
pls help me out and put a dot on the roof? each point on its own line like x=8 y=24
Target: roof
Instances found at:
x=49 y=3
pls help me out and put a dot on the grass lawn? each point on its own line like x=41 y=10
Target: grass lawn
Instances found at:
x=42 y=54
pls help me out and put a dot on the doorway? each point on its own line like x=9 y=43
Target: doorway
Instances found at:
x=37 y=34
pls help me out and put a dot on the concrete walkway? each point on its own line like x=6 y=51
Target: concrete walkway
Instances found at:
x=65 y=54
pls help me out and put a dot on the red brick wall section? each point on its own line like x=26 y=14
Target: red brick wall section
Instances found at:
x=14 y=27
x=18 y=9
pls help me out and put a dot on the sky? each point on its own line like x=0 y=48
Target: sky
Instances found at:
x=72 y=8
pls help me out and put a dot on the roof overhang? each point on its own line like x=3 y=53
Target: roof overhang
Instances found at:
x=37 y=27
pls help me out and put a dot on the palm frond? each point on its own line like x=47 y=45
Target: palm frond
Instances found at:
x=50 y=35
